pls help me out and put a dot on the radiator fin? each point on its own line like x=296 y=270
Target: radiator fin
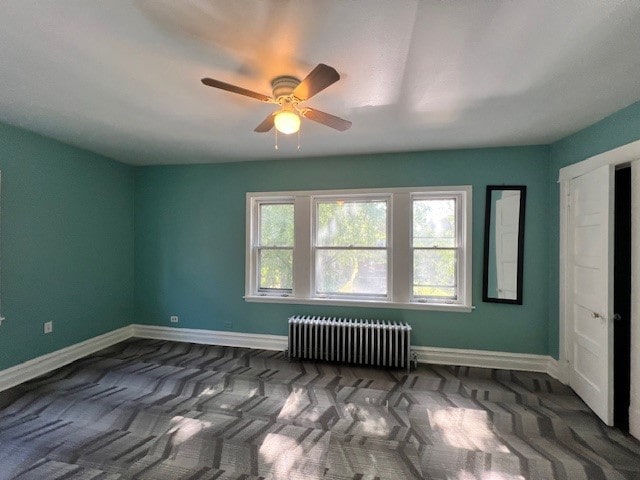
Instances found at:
x=354 y=341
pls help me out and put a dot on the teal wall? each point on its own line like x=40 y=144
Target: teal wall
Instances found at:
x=618 y=129
x=67 y=245
x=71 y=243
x=190 y=242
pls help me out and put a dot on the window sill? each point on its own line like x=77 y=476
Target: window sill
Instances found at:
x=441 y=307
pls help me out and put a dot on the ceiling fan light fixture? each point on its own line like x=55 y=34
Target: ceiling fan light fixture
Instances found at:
x=288 y=92
x=287 y=122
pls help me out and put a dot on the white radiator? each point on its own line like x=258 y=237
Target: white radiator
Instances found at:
x=364 y=342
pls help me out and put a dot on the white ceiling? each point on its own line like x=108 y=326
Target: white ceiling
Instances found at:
x=122 y=78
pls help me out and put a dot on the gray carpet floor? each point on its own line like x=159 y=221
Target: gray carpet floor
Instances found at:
x=150 y=409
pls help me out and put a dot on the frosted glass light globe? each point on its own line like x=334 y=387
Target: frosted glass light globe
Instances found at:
x=287 y=122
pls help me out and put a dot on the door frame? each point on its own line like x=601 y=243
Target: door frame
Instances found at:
x=626 y=154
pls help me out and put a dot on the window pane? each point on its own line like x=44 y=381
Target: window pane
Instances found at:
x=434 y=223
x=276 y=269
x=351 y=223
x=276 y=224
x=434 y=273
x=351 y=272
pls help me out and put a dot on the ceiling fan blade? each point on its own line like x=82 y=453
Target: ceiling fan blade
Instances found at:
x=266 y=125
x=326 y=119
x=210 y=82
x=320 y=78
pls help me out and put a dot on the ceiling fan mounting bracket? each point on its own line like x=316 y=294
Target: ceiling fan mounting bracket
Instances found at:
x=283 y=87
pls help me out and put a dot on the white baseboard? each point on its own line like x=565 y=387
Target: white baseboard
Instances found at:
x=443 y=356
x=634 y=419
x=13 y=376
x=558 y=369
x=212 y=337
x=486 y=359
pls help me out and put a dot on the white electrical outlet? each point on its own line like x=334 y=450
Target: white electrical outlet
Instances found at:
x=173 y=319
x=48 y=327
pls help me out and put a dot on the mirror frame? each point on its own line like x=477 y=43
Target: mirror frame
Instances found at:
x=487 y=242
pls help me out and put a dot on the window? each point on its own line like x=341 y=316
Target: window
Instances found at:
x=435 y=249
x=403 y=247
x=274 y=247
x=350 y=250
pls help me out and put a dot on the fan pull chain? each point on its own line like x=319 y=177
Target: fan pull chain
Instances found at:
x=276 y=144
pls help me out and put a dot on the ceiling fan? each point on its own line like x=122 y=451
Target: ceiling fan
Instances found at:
x=288 y=93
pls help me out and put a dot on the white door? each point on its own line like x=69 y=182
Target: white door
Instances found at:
x=507 y=223
x=590 y=289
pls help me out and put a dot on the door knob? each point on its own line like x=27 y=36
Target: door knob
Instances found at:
x=617 y=317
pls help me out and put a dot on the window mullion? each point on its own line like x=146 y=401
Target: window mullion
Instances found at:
x=400 y=241
x=302 y=265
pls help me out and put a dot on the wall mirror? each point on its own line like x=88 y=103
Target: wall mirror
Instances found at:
x=503 y=244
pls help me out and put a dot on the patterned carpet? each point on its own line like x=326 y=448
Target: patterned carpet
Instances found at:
x=149 y=409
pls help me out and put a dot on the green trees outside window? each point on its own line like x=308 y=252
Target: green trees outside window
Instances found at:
x=351 y=255
x=275 y=250
x=434 y=248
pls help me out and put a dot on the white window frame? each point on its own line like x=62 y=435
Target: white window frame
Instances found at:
x=399 y=245
x=315 y=199
x=257 y=247
x=459 y=239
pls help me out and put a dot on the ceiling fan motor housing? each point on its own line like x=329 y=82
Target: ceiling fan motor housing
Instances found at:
x=283 y=86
